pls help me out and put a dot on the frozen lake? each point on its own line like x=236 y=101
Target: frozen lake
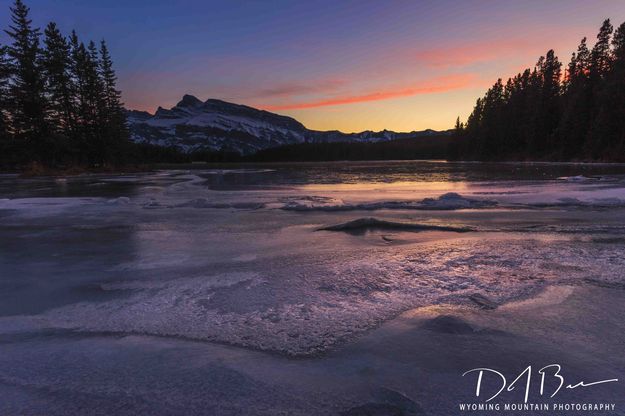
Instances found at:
x=267 y=289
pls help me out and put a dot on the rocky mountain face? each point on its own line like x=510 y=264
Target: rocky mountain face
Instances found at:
x=215 y=125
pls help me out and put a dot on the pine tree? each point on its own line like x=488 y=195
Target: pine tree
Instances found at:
x=115 y=116
x=76 y=70
x=458 y=127
x=60 y=87
x=600 y=65
x=607 y=136
x=600 y=57
x=26 y=93
x=8 y=153
x=576 y=105
x=58 y=102
x=492 y=121
x=83 y=72
x=109 y=79
x=94 y=88
x=548 y=111
x=616 y=87
x=5 y=71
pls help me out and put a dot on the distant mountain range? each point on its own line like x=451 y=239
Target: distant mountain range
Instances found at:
x=215 y=125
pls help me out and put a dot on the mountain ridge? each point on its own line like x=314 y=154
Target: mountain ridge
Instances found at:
x=217 y=125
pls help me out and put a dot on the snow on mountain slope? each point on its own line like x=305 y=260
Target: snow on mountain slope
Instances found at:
x=217 y=125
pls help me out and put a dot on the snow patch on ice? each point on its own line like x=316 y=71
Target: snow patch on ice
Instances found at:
x=445 y=202
x=608 y=202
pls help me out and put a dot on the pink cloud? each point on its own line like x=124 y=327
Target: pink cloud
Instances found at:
x=434 y=85
x=471 y=53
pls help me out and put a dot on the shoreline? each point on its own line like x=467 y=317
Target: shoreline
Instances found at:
x=42 y=171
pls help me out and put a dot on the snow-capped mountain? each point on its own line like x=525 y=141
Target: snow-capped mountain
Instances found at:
x=217 y=125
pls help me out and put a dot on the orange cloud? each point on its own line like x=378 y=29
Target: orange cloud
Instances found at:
x=435 y=85
x=474 y=52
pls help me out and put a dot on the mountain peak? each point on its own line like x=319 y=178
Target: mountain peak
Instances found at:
x=216 y=125
x=189 y=101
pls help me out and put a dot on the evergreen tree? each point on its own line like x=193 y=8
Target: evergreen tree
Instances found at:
x=600 y=57
x=26 y=92
x=96 y=103
x=599 y=68
x=58 y=101
x=8 y=152
x=5 y=71
x=547 y=112
x=85 y=78
x=576 y=102
x=607 y=136
x=76 y=70
x=111 y=95
x=60 y=87
x=458 y=127
x=542 y=115
x=114 y=114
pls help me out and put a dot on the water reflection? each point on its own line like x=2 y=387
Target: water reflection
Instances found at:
x=255 y=176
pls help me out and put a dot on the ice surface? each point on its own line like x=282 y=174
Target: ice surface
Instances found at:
x=107 y=307
x=310 y=308
x=232 y=255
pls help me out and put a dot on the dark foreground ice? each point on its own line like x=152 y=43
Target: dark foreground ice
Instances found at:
x=313 y=289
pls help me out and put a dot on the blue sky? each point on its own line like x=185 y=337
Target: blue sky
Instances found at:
x=349 y=65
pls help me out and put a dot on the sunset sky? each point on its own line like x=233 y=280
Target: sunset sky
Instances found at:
x=346 y=65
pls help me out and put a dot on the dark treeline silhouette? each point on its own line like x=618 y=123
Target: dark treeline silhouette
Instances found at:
x=431 y=147
x=551 y=113
x=58 y=100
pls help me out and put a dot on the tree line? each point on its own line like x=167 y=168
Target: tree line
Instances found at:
x=429 y=147
x=547 y=113
x=59 y=104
